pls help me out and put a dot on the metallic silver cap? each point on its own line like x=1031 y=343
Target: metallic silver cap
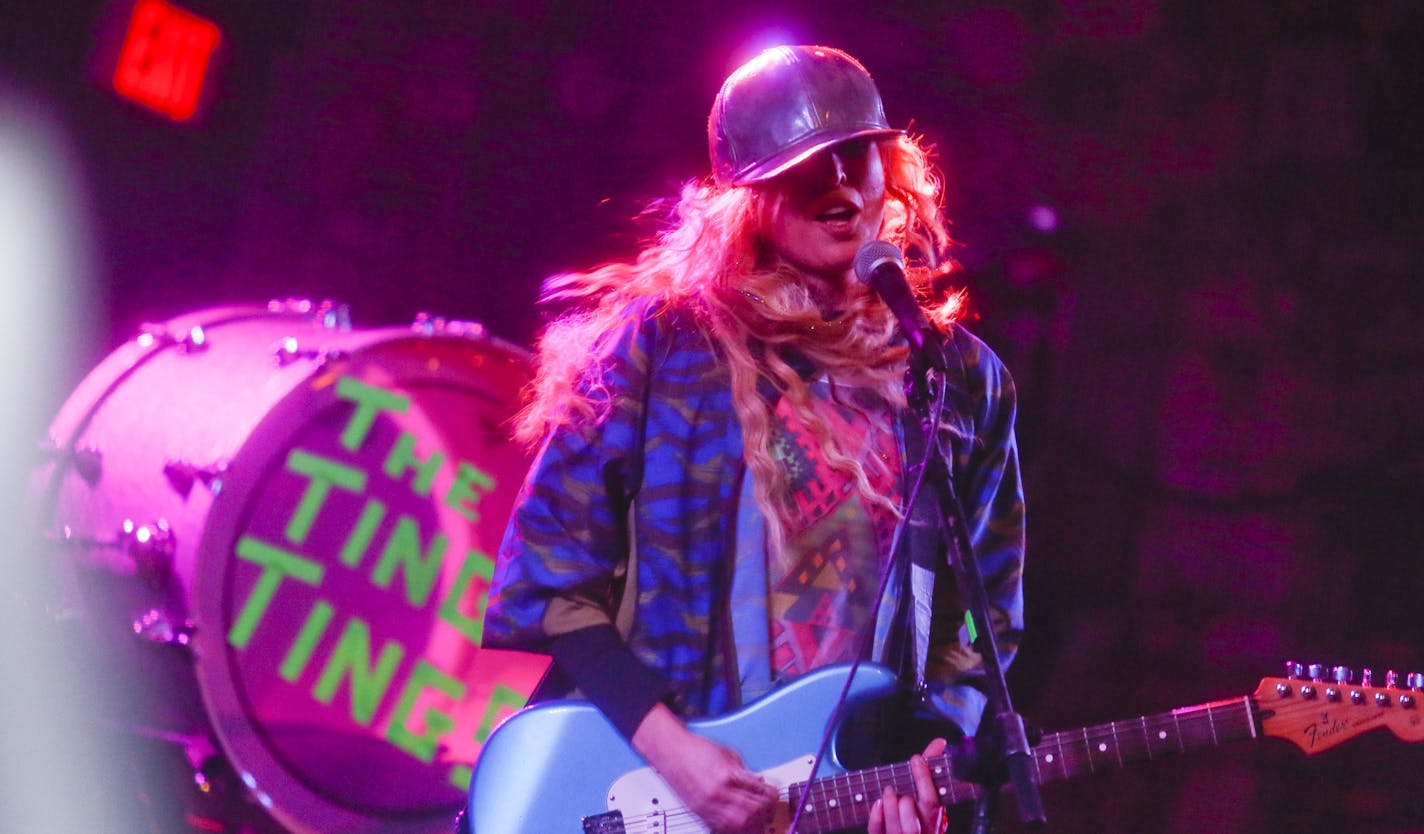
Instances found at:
x=786 y=104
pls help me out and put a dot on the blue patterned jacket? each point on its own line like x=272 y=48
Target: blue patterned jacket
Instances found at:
x=628 y=520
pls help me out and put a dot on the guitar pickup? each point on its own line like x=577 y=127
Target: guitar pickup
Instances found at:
x=609 y=823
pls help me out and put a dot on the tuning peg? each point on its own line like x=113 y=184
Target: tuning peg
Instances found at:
x=1391 y=679
x=1415 y=680
x=1367 y=677
x=1293 y=669
x=1341 y=674
x=1316 y=670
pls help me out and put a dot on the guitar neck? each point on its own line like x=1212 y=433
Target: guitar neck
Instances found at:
x=1105 y=746
x=839 y=802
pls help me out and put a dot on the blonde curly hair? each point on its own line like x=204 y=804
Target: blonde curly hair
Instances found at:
x=713 y=256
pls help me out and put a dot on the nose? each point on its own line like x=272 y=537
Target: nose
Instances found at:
x=838 y=167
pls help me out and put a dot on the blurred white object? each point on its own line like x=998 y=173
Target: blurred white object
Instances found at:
x=51 y=763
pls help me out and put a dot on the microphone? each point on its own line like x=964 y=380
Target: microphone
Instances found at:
x=881 y=266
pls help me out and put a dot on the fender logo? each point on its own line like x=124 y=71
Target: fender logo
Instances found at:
x=1323 y=730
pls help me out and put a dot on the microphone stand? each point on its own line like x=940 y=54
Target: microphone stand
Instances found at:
x=1008 y=751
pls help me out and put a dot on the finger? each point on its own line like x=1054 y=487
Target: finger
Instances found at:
x=736 y=814
x=926 y=794
x=761 y=795
x=876 y=823
x=753 y=783
x=909 y=816
x=894 y=821
x=770 y=793
x=750 y=819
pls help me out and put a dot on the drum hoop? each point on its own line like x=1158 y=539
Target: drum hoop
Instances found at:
x=240 y=737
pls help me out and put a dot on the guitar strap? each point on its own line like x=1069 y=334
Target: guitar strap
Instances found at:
x=924 y=546
x=909 y=644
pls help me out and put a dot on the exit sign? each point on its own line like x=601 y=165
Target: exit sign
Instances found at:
x=165 y=58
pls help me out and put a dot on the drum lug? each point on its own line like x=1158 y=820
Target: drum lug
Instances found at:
x=195 y=340
x=156 y=626
x=289 y=350
x=329 y=314
x=151 y=547
x=183 y=475
x=86 y=460
x=428 y=325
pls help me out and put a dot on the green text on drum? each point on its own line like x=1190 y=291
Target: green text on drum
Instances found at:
x=351 y=657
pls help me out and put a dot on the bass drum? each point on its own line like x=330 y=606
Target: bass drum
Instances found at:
x=282 y=532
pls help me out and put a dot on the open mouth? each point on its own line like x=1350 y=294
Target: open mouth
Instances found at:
x=839 y=213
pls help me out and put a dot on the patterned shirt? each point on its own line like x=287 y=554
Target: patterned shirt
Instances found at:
x=822 y=589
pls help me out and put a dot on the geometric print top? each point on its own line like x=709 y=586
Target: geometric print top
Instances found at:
x=821 y=592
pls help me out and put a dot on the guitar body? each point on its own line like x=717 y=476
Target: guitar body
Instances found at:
x=561 y=768
x=553 y=764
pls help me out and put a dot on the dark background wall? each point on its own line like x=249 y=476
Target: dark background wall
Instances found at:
x=1219 y=344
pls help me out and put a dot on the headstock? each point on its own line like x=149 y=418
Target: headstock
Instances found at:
x=1320 y=710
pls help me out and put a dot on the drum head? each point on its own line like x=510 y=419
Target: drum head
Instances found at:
x=334 y=554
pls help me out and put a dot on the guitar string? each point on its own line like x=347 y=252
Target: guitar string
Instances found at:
x=679 y=818
x=685 y=820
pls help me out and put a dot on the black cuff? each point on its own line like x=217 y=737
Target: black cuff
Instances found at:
x=605 y=669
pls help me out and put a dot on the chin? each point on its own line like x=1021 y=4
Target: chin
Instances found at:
x=836 y=274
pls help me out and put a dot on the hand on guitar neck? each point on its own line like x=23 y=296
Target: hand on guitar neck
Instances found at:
x=894 y=814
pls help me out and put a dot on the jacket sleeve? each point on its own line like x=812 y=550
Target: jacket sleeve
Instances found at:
x=990 y=490
x=562 y=564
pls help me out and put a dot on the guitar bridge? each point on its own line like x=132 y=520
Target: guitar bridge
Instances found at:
x=609 y=823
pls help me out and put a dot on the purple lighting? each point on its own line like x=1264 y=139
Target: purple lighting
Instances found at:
x=1043 y=218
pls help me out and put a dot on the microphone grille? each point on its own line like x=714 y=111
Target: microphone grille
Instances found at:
x=872 y=255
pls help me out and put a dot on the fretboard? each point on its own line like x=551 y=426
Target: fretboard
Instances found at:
x=844 y=801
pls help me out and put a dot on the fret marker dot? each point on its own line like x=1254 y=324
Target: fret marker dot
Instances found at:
x=832 y=803
x=943 y=791
x=1048 y=758
x=1102 y=748
x=939 y=770
x=1162 y=734
x=808 y=807
x=860 y=797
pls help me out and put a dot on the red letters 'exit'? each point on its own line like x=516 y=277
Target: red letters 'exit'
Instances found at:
x=165 y=58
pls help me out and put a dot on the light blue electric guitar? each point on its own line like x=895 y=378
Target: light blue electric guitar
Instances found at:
x=561 y=768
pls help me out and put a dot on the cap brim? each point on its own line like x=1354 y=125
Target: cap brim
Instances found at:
x=805 y=149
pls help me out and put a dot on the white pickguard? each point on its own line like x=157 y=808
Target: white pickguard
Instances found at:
x=648 y=804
